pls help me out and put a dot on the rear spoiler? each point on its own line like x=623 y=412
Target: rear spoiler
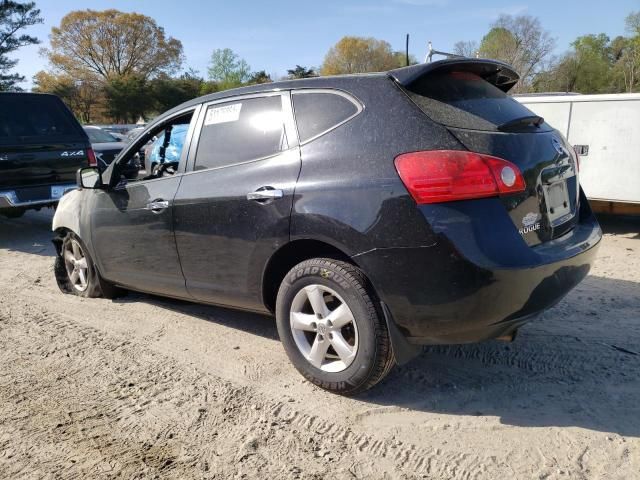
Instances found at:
x=495 y=72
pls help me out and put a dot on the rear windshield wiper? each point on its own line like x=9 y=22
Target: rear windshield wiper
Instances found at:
x=517 y=123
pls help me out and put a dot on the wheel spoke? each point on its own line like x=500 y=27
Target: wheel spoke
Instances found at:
x=342 y=348
x=68 y=257
x=76 y=250
x=341 y=316
x=74 y=277
x=318 y=351
x=303 y=321
x=314 y=294
x=83 y=277
x=82 y=263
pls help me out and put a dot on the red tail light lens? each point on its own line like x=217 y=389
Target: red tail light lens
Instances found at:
x=93 y=161
x=449 y=175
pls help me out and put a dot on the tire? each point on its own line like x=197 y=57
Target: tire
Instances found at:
x=342 y=350
x=12 y=212
x=79 y=275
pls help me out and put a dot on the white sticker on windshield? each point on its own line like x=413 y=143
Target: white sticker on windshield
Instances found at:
x=228 y=113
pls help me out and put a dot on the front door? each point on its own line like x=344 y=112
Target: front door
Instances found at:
x=132 y=223
x=232 y=209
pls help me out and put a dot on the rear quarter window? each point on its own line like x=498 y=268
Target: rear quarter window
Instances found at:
x=36 y=119
x=464 y=100
x=318 y=112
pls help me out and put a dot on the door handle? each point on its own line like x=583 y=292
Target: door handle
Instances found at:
x=266 y=194
x=157 y=206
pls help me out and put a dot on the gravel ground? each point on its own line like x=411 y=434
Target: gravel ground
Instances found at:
x=144 y=387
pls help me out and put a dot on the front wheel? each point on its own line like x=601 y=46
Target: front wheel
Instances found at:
x=76 y=273
x=331 y=326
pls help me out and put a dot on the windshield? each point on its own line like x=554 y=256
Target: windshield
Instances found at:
x=97 y=135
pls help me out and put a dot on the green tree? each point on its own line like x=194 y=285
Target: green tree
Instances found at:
x=259 y=77
x=14 y=17
x=167 y=92
x=359 y=55
x=301 y=72
x=521 y=42
x=227 y=69
x=128 y=97
x=112 y=44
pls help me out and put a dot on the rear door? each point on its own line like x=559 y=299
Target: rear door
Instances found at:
x=41 y=144
x=232 y=210
x=474 y=107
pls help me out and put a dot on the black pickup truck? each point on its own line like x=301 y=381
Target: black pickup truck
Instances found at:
x=42 y=146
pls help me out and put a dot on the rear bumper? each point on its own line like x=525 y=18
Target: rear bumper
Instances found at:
x=477 y=281
x=10 y=198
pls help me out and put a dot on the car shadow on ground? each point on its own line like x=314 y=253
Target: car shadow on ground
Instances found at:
x=28 y=234
x=578 y=365
x=620 y=225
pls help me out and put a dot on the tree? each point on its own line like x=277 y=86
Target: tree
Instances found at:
x=466 y=48
x=626 y=53
x=301 y=72
x=82 y=96
x=259 y=77
x=14 y=16
x=128 y=97
x=167 y=92
x=359 y=55
x=110 y=44
x=227 y=69
x=521 y=42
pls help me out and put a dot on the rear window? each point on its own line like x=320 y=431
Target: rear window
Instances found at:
x=319 y=112
x=464 y=100
x=35 y=119
x=97 y=135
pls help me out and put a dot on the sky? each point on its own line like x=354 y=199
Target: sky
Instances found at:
x=276 y=35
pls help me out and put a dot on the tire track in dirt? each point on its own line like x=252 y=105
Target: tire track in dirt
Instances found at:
x=137 y=392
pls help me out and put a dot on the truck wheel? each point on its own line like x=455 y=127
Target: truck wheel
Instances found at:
x=76 y=273
x=331 y=327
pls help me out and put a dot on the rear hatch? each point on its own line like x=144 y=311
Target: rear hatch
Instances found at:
x=41 y=145
x=469 y=98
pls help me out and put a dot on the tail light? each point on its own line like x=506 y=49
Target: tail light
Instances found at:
x=93 y=161
x=449 y=175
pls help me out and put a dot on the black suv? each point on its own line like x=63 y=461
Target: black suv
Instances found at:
x=41 y=147
x=372 y=213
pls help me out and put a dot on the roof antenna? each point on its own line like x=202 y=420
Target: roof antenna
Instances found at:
x=407 y=50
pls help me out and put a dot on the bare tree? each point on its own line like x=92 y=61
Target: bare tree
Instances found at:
x=466 y=48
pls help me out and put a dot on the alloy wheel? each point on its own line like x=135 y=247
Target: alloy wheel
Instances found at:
x=76 y=264
x=324 y=328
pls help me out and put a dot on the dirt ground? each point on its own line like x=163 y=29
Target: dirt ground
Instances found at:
x=144 y=387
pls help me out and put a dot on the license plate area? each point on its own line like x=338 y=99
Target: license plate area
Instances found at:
x=558 y=204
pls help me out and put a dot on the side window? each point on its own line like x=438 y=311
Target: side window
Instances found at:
x=318 y=112
x=160 y=151
x=241 y=130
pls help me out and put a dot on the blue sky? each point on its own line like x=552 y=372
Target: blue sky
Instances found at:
x=279 y=34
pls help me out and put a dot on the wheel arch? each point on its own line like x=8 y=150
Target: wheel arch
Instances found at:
x=288 y=256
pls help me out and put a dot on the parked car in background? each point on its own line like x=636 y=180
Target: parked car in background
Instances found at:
x=373 y=214
x=133 y=133
x=42 y=145
x=107 y=147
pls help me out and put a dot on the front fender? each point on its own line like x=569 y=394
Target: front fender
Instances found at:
x=67 y=214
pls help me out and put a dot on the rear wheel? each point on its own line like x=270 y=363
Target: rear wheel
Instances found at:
x=331 y=327
x=76 y=273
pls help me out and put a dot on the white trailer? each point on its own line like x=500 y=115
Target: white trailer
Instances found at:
x=605 y=131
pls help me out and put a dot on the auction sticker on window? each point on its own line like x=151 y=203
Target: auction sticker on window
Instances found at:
x=227 y=113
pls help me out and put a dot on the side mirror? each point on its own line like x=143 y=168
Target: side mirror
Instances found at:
x=89 y=177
